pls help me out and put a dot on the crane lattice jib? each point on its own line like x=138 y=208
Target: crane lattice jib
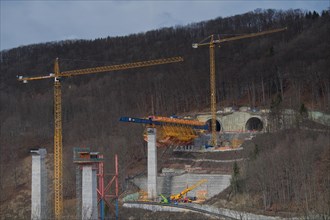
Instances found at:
x=211 y=43
x=58 y=154
x=121 y=66
x=106 y=68
x=239 y=37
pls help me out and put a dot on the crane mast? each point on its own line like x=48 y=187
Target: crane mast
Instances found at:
x=213 y=95
x=58 y=146
x=211 y=43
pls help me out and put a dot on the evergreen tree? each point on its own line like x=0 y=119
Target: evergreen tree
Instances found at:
x=235 y=178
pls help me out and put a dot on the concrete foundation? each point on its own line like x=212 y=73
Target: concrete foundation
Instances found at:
x=152 y=163
x=89 y=194
x=169 y=185
x=39 y=185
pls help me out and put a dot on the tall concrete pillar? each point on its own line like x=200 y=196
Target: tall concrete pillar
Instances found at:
x=89 y=194
x=152 y=163
x=39 y=185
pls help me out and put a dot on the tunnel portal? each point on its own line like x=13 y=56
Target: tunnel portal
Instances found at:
x=254 y=124
x=218 y=126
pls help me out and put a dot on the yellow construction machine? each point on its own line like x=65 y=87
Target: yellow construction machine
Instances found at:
x=179 y=197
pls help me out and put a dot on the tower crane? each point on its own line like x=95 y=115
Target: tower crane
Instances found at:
x=57 y=75
x=211 y=43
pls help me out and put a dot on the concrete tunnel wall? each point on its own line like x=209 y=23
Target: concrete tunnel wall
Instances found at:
x=236 y=121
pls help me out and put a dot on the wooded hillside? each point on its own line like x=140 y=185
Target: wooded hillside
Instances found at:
x=293 y=65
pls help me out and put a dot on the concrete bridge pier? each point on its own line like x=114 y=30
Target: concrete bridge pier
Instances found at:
x=89 y=194
x=152 y=164
x=39 y=185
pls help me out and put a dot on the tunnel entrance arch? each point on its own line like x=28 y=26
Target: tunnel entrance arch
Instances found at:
x=254 y=124
x=218 y=126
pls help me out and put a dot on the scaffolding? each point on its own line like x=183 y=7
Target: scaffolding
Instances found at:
x=83 y=156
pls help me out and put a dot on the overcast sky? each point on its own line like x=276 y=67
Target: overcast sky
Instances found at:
x=27 y=22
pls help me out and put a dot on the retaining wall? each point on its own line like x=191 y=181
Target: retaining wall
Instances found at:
x=173 y=184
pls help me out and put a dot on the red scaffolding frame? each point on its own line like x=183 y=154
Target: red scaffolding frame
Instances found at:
x=104 y=190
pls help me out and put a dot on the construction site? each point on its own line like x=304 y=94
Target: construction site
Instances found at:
x=180 y=181
x=199 y=134
x=190 y=158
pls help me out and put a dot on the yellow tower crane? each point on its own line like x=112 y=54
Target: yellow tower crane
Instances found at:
x=211 y=43
x=58 y=186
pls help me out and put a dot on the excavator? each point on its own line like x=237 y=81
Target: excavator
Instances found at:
x=164 y=200
x=180 y=196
